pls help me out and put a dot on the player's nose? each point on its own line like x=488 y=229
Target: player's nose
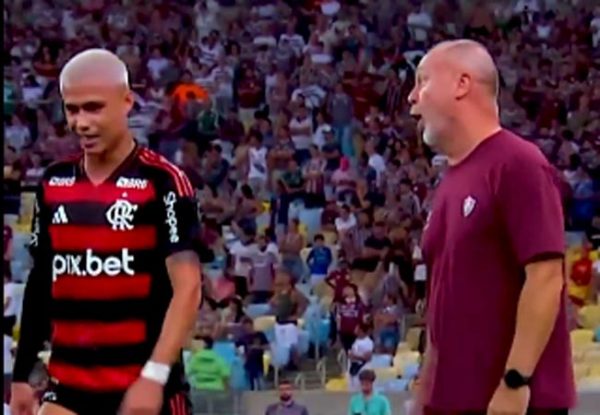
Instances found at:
x=80 y=125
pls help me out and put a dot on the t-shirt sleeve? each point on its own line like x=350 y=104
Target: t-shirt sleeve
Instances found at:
x=531 y=209
x=179 y=224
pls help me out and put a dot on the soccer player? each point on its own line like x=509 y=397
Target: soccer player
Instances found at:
x=115 y=285
x=493 y=246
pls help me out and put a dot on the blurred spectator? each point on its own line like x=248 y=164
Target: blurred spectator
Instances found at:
x=367 y=401
x=253 y=344
x=286 y=404
x=206 y=370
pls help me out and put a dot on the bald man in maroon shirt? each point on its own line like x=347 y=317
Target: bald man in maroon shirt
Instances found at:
x=493 y=245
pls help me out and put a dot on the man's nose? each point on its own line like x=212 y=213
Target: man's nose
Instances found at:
x=412 y=96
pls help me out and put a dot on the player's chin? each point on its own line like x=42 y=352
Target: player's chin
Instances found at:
x=92 y=145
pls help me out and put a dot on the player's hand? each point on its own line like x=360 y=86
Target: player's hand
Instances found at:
x=509 y=401
x=144 y=397
x=22 y=399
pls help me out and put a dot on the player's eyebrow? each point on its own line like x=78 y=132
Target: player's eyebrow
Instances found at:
x=86 y=106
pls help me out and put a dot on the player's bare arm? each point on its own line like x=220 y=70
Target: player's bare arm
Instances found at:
x=536 y=315
x=184 y=272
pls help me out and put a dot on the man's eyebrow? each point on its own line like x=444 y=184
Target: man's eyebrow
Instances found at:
x=93 y=103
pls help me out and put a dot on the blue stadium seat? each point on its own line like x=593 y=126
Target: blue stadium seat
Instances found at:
x=380 y=360
x=410 y=371
x=257 y=310
x=226 y=350
x=280 y=356
x=395 y=385
x=238 y=380
x=597 y=334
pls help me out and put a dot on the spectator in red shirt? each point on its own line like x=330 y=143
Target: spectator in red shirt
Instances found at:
x=349 y=314
x=339 y=279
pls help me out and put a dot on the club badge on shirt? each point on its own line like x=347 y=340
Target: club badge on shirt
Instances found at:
x=468 y=206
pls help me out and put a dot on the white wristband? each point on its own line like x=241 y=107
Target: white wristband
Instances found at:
x=156 y=372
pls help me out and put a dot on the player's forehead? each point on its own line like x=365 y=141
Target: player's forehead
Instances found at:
x=88 y=92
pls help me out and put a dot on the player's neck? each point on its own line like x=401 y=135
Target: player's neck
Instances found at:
x=107 y=162
x=469 y=136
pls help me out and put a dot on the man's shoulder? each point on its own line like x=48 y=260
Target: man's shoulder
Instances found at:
x=513 y=149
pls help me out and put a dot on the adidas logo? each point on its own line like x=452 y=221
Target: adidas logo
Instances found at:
x=60 y=216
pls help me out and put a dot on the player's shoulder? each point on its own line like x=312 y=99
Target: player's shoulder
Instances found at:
x=157 y=168
x=63 y=169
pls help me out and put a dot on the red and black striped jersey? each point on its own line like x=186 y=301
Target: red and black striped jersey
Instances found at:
x=99 y=269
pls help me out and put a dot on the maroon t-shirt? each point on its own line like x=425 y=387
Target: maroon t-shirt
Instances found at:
x=493 y=213
x=351 y=315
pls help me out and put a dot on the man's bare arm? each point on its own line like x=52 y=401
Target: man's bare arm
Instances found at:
x=184 y=271
x=537 y=311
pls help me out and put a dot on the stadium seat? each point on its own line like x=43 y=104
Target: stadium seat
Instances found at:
x=257 y=310
x=326 y=302
x=330 y=238
x=264 y=323
x=380 y=361
x=591 y=357
x=304 y=254
x=413 y=337
x=406 y=357
x=280 y=355
x=594 y=370
x=238 y=379
x=597 y=335
x=410 y=370
x=589 y=316
x=226 y=350
x=581 y=338
x=266 y=362
x=337 y=385
x=402 y=347
x=384 y=374
x=304 y=289
x=581 y=370
x=396 y=385
x=321 y=290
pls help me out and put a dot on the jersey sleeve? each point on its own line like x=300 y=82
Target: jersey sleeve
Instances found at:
x=35 y=319
x=179 y=228
x=531 y=209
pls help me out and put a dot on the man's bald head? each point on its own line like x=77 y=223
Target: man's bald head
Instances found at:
x=98 y=66
x=472 y=57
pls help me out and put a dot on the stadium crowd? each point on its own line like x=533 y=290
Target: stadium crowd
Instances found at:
x=290 y=118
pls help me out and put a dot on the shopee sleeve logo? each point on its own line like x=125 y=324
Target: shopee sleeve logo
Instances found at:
x=171 y=217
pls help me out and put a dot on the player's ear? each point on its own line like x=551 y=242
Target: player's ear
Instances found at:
x=463 y=86
x=129 y=101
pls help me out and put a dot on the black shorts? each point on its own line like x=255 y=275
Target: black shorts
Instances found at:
x=84 y=403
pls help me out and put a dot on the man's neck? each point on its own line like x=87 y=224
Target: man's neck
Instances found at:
x=110 y=160
x=469 y=136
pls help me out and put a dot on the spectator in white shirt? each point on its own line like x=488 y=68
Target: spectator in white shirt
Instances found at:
x=157 y=64
x=301 y=129
x=257 y=164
